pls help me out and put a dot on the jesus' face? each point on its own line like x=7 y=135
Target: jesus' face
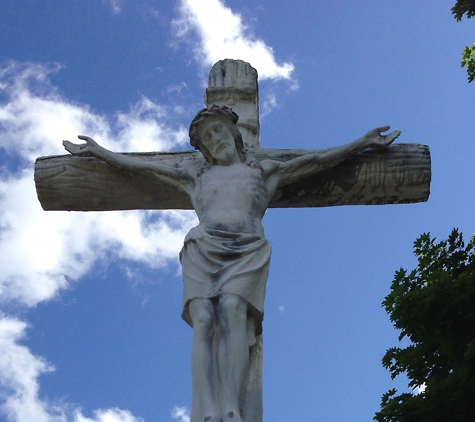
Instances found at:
x=219 y=141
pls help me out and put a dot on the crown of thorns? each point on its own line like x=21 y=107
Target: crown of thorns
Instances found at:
x=212 y=111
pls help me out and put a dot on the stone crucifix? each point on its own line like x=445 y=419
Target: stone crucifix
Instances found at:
x=230 y=184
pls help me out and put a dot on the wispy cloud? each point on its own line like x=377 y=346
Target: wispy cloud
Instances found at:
x=181 y=414
x=41 y=253
x=39 y=249
x=108 y=415
x=115 y=5
x=222 y=34
x=19 y=372
x=269 y=103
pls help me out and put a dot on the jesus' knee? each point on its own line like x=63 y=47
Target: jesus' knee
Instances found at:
x=202 y=315
x=233 y=309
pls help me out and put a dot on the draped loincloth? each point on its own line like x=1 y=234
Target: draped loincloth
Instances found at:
x=215 y=262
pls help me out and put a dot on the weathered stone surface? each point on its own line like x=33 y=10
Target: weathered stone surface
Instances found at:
x=233 y=83
x=400 y=174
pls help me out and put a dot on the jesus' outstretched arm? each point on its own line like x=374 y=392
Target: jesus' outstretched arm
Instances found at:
x=172 y=176
x=297 y=168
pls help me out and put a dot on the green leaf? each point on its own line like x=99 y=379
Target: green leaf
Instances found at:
x=433 y=307
x=463 y=7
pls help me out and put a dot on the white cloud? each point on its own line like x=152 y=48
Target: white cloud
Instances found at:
x=223 y=35
x=19 y=372
x=177 y=88
x=115 y=5
x=108 y=415
x=42 y=252
x=181 y=414
x=143 y=128
x=269 y=103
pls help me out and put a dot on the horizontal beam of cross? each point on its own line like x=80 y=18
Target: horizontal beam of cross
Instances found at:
x=400 y=174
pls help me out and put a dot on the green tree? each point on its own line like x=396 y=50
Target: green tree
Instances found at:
x=433 y=306
x=466 y=7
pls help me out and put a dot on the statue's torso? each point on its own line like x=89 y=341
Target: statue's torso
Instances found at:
x=231 y=198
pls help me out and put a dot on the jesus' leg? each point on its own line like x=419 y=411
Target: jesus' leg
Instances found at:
x=233 y=356
x=203 y=358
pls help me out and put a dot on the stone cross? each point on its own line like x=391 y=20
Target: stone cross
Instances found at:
x=398 y=174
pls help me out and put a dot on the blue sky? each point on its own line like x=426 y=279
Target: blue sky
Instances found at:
x=90 y=326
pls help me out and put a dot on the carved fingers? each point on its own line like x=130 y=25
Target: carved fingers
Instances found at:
x=81 y=149
x=377 y=140
x=392 y=136
x=70 y=147
x=89 y=141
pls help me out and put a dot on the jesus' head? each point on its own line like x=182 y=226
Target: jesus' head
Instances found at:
x=210 y=130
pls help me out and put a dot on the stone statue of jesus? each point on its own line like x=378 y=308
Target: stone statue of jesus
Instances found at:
x=225 y=258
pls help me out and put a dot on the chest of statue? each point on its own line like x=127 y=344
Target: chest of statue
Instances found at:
x=224 y=187
x=229 y=179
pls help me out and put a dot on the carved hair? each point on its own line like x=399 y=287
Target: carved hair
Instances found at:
x=229 y=117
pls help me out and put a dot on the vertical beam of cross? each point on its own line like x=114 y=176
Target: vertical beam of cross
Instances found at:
x=233 y=83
